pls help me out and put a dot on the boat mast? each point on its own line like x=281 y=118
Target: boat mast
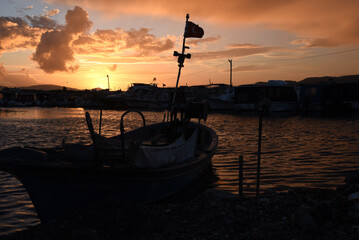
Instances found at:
x=181 y=57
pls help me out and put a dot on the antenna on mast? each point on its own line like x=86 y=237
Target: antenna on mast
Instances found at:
x=181 y=57
x=191 y=30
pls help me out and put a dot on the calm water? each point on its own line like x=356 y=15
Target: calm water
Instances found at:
x=296 y=151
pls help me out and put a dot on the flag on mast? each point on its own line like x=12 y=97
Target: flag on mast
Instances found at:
x=193 y=30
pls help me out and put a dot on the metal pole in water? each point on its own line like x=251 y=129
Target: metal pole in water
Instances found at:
x=240 y=176
x=230 y=78
x=100 y=124
x=108 y=82
x=259 y=152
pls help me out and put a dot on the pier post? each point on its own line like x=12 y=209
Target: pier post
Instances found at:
x=100 y=124
x=240 y=176
x=259 y=152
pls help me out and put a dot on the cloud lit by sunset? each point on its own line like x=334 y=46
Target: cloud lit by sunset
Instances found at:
x=77 y=43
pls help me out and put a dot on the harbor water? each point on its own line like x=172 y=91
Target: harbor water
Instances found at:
x=296 y=151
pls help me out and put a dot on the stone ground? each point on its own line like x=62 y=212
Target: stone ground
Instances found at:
x=297 y=214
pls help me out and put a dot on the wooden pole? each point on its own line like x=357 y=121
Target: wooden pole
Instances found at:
x=259 y=153
x=240 y=176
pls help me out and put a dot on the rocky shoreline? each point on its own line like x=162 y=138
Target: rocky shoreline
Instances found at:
x=299 y=213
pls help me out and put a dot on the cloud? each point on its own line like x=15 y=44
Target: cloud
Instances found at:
x=43 y=22
x=113 y=67
x=52 y=12
x=133 y=42
x=77 y=21
x=198 y=41
x=56 y=45
x=234 y=52
x=2 y=70
x=243 y=45
x=250 y=68
x=146 y=43
x=18 y=80
x=319 y=42
x=336 y=21
x=15 y=33
x=54 y=53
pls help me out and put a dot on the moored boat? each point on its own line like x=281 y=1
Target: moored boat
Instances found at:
x=274 y=96
x=149 y=168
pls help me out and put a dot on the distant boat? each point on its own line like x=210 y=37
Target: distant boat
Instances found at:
x=282 y=97
x=249 y=97
x=223 y=99
x=156 y=161
x=329 y=97
x=115 y=100
x=147 y=96
x=274 y=96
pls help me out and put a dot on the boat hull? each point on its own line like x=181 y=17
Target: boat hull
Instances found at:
x=56 y=189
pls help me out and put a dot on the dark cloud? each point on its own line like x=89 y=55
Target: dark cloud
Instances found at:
x=54 y=52
x=43 y=22
x=77 y=21
x=109 y=36
x=16 y=33
x=84 y=40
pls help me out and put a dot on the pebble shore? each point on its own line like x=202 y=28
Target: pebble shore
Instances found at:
x=299 y=213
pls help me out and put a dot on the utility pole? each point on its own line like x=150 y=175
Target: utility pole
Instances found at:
x=108 y=82
x=230 y=76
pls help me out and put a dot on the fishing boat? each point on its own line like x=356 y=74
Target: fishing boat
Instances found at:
x=149 y=168
x=145 y=165
x=222 y=98
x=275 y=96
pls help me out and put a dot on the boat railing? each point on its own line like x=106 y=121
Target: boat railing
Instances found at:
x=123 y=129
x=98 y=161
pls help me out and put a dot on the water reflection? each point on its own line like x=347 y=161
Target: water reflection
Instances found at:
x=296 y=151
x=40 y=113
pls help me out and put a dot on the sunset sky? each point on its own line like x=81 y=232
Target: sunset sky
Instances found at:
x=76 y=43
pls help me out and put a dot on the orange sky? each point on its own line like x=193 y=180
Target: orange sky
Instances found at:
x=76 y=43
